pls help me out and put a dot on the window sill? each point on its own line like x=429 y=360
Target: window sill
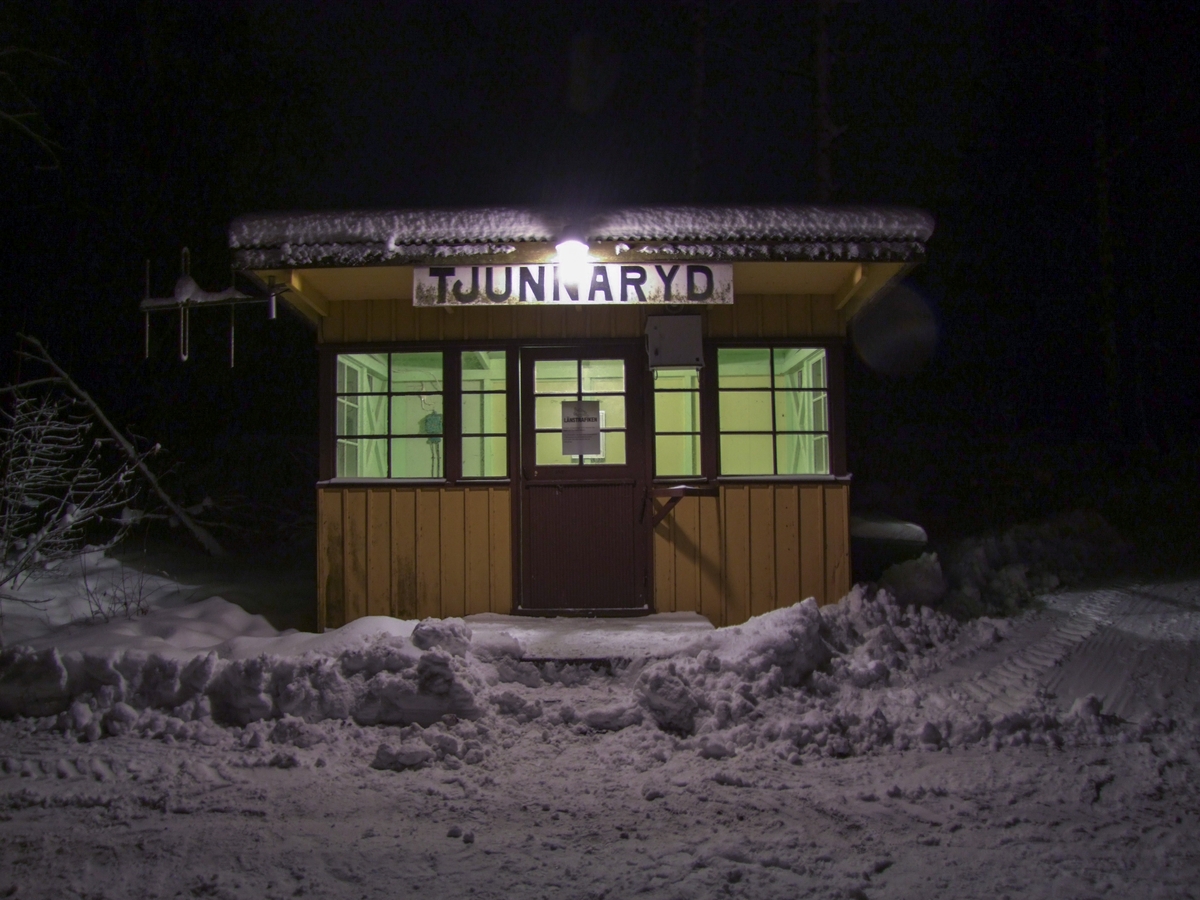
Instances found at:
x=785 y=479
x=380 y=482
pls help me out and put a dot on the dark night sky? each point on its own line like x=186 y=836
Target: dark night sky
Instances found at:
x=172 y=118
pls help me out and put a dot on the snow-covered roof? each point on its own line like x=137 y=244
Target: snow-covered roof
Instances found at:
x=734 y=233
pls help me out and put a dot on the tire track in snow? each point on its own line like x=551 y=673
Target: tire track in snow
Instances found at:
x=1015 y=680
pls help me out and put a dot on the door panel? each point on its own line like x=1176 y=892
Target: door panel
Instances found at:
x=585 y=537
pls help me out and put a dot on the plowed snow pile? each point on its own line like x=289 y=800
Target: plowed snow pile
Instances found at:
x=835 y=682
x=865 y=749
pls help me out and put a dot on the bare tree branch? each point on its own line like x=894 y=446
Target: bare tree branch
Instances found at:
x=206 y=540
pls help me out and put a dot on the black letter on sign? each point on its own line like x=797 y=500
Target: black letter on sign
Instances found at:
x=441 y=273
x=487 y=285
x=537 y=288
x=599 y=283
x=474 y=294
x=667 y=278
x=633 y=277
x=695 y=296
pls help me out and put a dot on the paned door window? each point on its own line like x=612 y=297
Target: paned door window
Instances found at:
x=558 y=380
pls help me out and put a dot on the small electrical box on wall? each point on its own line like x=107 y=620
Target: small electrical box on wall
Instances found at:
x=675 y=342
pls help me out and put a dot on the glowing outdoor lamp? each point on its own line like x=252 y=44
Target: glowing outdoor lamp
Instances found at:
x=572 y=260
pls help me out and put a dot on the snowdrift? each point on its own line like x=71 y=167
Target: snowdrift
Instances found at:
x=838 y=681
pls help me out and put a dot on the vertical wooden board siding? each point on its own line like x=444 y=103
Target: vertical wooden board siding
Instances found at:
x=837 y=543
x=331 y=593
x=524 y=322
x=711 y=561
x=405 y=321
x=799 y=311
x=453 y=554
x=379 y=319
x=774 y=316
x=477 y=551
x=355 y=542
x=687 y=551
x=825 y=317
x=787 y=546
x=812 y=542
x=664 y=564
x=761 y=542
x=379 y=552
x=454 y=324
x=475 y=323
x=500 y=536
x=721 y=323
x=354 y=320
x=429 y=553
x=748 y=314
x=736 y=569
x=428 y=323
x=404 y=554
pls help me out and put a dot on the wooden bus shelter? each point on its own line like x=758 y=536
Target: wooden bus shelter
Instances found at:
x=636 y=411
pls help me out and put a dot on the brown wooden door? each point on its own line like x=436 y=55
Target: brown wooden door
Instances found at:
x=585 y=533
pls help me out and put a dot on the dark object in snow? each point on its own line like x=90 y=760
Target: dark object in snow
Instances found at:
x=454 y=832
x=469 y=837
x=878 y=541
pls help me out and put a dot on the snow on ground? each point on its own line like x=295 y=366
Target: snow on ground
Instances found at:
x=861 y=750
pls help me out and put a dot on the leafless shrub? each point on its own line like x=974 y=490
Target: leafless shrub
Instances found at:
x=57 y=484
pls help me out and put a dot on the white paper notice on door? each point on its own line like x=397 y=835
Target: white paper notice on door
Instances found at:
x=581 y=428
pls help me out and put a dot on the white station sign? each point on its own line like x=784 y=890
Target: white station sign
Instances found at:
x=591 y=283
x=581 y=428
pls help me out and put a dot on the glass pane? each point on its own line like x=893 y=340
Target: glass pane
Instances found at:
x=677 y=379
x=417 y=414
x=603 y=376
x=800 y=411
x=677 y=454
x=744 y=367
x=547 y=411
x=484 y=370
x=746 y=454
x=417 y=457
x=484 y=413
x=361 y=415
x=802 y=367
x=548 y=450
x=484 y=457
x=361 y=373
x=803 y=454
x=555 y=376
x=612 y=411
x=677 y=412
x=612 y=450
x=362 y=458
x=418 y=372
x=745 y=410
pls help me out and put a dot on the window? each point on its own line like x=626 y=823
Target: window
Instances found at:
x=676 y=422
x=389 y=415
x=558 y=380
x=772 y=407
x=484 y=414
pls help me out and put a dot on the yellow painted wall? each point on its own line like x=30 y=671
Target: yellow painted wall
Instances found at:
x=412 y=552
x=753 y=549
x=753 y=315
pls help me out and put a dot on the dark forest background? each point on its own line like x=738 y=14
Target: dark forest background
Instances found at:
x=135 y=128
